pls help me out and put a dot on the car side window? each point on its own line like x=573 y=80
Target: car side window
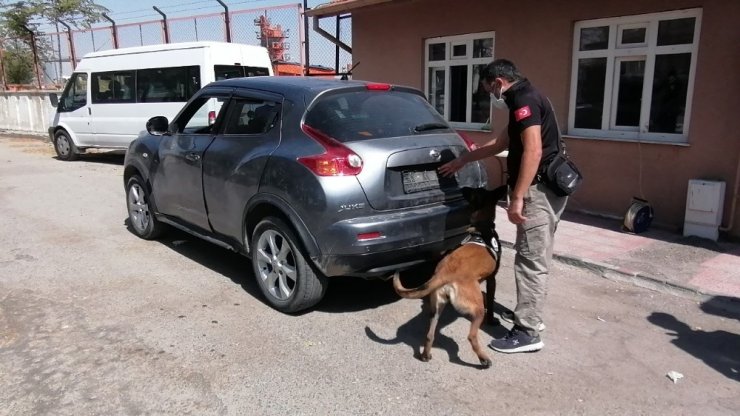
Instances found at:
x=201 y=115
x=113 y=87
x=251 y=116
x=75 y=94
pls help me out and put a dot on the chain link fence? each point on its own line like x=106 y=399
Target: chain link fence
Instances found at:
x=52 y=57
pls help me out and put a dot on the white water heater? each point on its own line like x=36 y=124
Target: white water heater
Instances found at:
x=704 y=203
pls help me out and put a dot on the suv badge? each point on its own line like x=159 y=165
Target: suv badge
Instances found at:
x=434 y=153
x=350 y=207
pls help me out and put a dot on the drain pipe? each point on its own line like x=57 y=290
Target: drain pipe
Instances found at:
x=328 y=36
x=734 y=199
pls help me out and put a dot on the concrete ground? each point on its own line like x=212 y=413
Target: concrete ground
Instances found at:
x=94 y=320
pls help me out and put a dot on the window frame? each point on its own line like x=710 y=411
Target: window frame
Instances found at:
x=450 y=61
x=616 y=51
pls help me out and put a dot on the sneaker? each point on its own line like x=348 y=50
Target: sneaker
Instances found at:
x=508 y=316
x=517 y=341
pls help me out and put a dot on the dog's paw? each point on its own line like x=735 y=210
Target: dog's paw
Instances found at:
x=487 y=363
x=425 y=357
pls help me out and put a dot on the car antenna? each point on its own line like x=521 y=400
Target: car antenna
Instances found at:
x=345 y=75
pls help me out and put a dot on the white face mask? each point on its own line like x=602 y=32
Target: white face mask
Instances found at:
x=499 y=101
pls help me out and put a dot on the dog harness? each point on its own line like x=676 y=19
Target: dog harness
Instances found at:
x=493 y=246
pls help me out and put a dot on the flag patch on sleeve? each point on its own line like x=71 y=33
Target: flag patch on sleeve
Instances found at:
x=522 y=113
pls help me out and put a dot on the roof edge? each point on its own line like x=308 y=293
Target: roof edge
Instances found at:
x=334 y=9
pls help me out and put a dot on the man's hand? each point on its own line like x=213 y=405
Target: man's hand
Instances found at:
x=449 y=168
x=514 y=211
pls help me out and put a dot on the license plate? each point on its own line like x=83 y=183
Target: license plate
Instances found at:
x=418 y=181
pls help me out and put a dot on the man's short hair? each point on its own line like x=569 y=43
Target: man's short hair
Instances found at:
x=501 y=68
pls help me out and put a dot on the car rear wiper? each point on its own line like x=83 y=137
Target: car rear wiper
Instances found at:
x=430 y=126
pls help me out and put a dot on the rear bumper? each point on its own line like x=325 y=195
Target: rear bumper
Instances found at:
x=407 y=238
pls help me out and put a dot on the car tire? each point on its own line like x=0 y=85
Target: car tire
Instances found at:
x=64 y=146
x=287 y=281
x=140 y=211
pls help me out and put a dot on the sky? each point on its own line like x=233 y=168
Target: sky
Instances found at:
x=132 y=11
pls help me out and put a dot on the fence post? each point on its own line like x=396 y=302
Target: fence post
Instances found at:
x=71 y=45
x=164 y=24
x=35 y=56
x=113 y=30
x=2 y=66
x=307 y=67
x=227 y=20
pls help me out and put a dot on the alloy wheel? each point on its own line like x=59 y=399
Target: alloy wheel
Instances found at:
x=276 y=264
x=138 y=209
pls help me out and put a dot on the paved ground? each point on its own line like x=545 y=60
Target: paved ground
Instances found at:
x=96 y=321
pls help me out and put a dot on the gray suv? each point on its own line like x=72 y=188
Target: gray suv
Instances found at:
x=310 y=178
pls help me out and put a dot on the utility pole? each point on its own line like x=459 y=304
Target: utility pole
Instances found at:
x=227 y=20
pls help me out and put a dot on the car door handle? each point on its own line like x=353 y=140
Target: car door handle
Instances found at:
x=193 y=157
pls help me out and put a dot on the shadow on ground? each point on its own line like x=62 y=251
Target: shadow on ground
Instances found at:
x=718 y=349
x=113 y=157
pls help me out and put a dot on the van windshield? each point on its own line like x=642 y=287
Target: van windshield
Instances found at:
x=237 y=71
x=363 y=115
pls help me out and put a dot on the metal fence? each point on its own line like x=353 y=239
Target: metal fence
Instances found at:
x=280 y=29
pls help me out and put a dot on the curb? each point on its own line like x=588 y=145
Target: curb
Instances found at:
x=617 y=274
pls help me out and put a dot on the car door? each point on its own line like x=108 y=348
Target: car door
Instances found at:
x=178 y=184
x=234 y=162
x=73 y=110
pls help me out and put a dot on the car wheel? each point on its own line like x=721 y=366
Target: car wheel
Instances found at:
x=64 y=146
x=286 y=279
x=140 y=214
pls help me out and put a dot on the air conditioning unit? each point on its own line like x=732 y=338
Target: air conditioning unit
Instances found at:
x=704 y=204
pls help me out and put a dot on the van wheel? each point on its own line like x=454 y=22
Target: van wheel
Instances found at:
x=64 y=146
x=286 y=279
x=140 y=214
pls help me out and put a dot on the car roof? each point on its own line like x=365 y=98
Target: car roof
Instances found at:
x=291 y=86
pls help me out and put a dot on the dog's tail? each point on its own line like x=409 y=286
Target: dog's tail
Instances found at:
x=415 y=293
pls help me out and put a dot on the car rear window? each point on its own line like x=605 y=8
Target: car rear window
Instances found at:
x=362 y=115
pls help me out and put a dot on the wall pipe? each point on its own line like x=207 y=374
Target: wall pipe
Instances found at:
x=164 y=24
x=113 y=29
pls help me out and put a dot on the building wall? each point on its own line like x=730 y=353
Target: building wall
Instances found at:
x=538 y=37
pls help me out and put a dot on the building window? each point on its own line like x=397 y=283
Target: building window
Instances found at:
x=452 y=78
x=633 y=76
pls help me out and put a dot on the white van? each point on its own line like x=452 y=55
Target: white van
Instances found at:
x=111 y=94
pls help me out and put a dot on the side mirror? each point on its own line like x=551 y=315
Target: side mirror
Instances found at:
x=53 y=99
x=158 y=125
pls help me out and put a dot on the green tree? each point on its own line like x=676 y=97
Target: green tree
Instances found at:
x=19 y=17
x=18 y=62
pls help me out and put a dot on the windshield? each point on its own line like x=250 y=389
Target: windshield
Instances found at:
x=361 y=115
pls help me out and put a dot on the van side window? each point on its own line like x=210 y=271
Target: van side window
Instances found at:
x=75 y=94
x=113 y=87
x=251 y=116
x=237 y=71
x=159 y=85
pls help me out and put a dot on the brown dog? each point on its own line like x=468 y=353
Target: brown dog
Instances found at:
x=458 y=275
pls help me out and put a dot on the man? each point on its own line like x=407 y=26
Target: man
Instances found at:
x=532 y=140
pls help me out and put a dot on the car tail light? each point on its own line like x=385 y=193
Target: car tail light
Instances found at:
x=468 y=142
x=211 y=118
x=379 y=87
x=338 y=160
x=369 y=236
